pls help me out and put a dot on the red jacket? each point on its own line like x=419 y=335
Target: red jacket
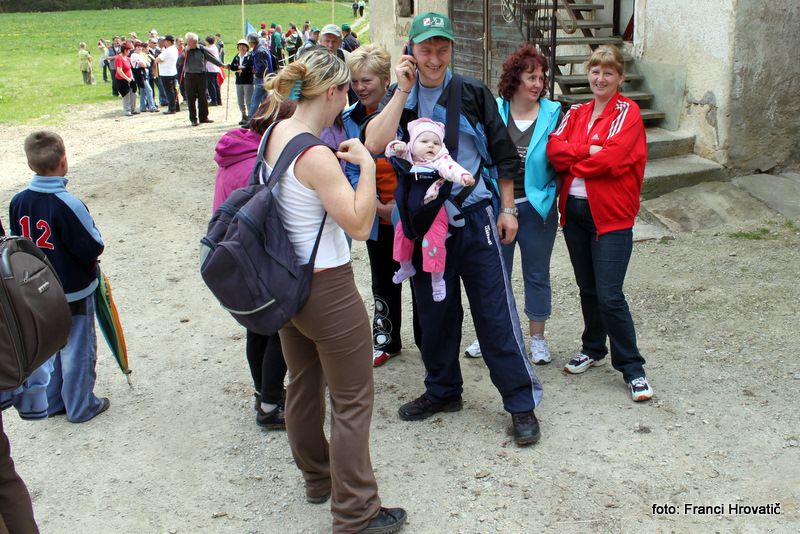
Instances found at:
x=614 y=175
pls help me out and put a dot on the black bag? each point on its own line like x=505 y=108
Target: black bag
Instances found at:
x=35 y=319
x=247 y=260
x=417 y=217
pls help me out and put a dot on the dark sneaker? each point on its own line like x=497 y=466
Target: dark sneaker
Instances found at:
x=388 y=521
x=206 y=121
x=272 y=420
x=640 y=389
x=581 y=362
x=526 y=428
x=318 y=500
x=422 y=408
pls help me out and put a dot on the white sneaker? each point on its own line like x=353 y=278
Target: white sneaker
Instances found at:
x=540 y=354
x=474 y=350
x=581 y=362
x=640 y=389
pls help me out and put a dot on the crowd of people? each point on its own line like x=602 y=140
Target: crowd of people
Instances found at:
x=165 y=71
x=441 y=179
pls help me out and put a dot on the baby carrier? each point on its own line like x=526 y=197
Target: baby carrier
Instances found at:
x=411 y=186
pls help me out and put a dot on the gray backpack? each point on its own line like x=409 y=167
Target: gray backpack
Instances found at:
x=247 y=260
x=34 y=315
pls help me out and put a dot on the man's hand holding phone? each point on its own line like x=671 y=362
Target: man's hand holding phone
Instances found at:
x=406 y=70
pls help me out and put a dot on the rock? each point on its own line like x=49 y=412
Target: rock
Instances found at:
x=482 y=474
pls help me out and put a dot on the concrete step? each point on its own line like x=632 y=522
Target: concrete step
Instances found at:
x=652 y=114
x=663 y=143
x=580 y=98
x=589 y=40
x=583 y=58
x=580 y=79
x=664 y=175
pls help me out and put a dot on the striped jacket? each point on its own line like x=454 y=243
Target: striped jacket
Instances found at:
x=614 y=175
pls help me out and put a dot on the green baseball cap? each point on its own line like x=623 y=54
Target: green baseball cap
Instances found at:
x=345 y=27
x=430 y=24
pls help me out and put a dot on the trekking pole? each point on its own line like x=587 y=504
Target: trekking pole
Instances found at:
x=227 y=94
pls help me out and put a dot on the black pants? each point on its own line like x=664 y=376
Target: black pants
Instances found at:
x=195 y=85
x=213 y=88
x=16 y=510
x=387 y=320
x=114 y=81
x=265 y=356
x=106 y=70
x=168 y=82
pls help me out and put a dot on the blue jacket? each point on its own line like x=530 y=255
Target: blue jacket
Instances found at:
x=352 y=116
x=59 y=224
x=540 y=183
x=262 y=62
x=481 y=122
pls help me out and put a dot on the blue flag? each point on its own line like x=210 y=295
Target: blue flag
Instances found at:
x=248 y=28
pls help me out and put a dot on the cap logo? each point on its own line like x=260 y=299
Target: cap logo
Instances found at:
x=433 y=22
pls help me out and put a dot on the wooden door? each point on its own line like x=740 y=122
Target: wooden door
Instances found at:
x=470 y=29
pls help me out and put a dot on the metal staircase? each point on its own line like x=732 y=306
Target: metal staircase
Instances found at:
x=554 y=25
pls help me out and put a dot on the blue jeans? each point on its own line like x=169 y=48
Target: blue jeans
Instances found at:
x=600 y=264
x=535 y=238
x=71 y=386
x=259 y=94
x=146 y=102
x=474 y=258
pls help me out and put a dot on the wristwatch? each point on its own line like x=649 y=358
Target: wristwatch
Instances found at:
x=510 y=211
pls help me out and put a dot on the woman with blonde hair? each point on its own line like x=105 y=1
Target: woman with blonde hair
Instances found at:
x=600 y=152
x=327 y=343
x=370 y=71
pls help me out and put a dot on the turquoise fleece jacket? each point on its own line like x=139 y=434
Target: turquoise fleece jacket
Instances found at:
x=540 y=184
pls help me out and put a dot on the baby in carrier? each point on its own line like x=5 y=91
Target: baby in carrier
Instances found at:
x=428 y=155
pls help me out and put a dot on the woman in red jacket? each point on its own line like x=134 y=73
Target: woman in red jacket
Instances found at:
x=600 y=152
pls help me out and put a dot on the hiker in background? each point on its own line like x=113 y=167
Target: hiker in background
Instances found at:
x=328 y=342
x=123 y=80
x=361 y=5
x=349 y=41
x=195 y=78
x=212 y=73
x=306 y=30
x=277 y=44
x=294 y=42
x=262 y=66
x=86 y=63
x=242 y=66
x=167 y=61
x=140 y=62
x=220 y=47
x=600 y=152
x=355 y=9
x=104 y=46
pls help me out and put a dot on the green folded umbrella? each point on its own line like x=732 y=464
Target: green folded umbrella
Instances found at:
x=108 y=318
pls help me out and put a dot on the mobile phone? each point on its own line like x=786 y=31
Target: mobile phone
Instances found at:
x=407 y=50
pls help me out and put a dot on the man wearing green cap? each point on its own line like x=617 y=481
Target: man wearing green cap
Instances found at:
x=483 y=146
x=349 y=41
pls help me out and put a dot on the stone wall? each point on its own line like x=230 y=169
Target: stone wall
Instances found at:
x=764 y=105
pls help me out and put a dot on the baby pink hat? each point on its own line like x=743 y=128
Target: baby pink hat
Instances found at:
x=420 y=126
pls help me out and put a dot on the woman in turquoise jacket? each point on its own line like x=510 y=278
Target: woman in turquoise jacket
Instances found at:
x=530 y=118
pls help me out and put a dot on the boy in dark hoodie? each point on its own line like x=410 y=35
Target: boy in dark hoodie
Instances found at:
x=60 y=224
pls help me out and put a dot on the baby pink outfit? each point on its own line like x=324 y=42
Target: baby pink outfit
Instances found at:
x=433 y=251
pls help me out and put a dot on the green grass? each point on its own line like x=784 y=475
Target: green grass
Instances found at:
x=759 y=233
x=39 y=72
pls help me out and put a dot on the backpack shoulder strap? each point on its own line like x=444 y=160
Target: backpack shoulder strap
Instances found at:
x=453 y=115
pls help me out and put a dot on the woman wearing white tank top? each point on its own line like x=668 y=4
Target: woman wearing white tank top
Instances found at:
x=329 y=342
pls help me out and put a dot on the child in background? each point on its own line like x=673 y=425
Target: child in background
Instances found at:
x=426 y=151
x=60 y=225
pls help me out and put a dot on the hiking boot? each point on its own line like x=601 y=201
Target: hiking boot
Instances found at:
x=422 y=408
x=526 y=428
x=319 y=499
x=581 y=362
x=640 y=389
x=206 y=121
x=388 y=521
x=380 y=357
x=540 y=353
x=272 y=420
x=474 y=350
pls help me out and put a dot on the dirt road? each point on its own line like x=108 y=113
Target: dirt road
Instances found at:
x=716 y=315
